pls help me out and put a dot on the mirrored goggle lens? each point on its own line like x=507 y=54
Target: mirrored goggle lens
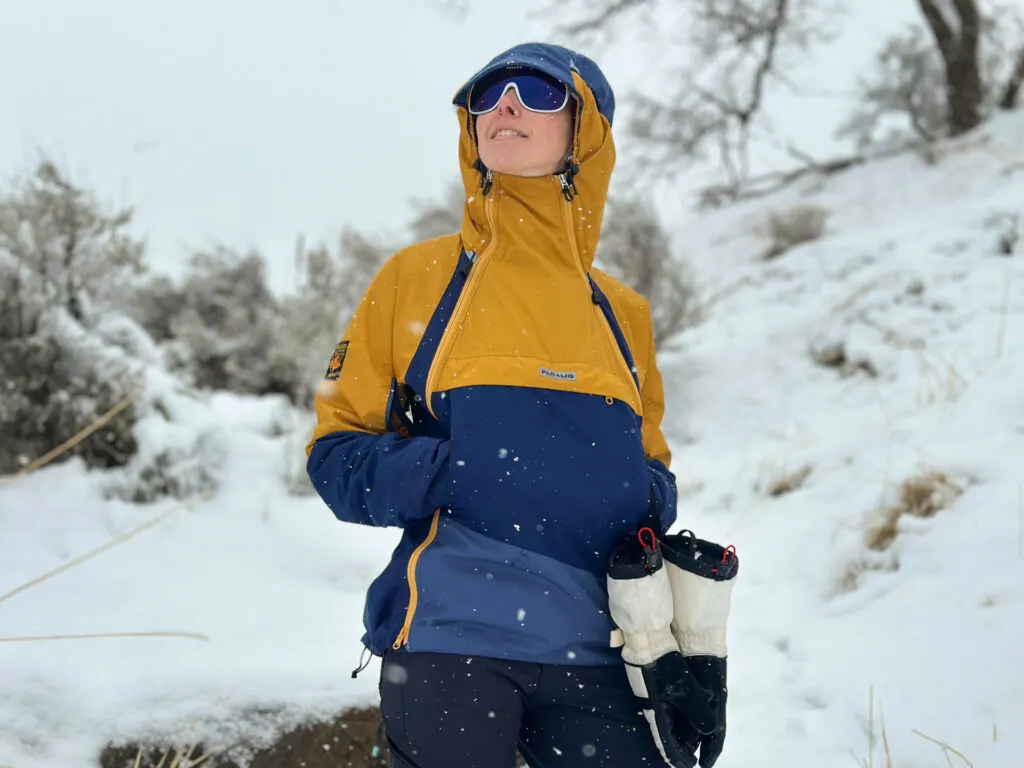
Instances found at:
x=535 y=92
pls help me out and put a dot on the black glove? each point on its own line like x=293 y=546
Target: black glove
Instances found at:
x=709 y=672
x=702 y=575
x=672 y=697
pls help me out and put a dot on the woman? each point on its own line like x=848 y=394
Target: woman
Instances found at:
x=497 y=398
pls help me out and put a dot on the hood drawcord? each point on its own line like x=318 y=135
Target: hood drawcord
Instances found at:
x=567 y=179
x=486 y=176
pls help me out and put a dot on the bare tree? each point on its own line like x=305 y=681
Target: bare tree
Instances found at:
x=905 y=93
x=598 y=21
x=716 y=100
x=1013 y=85
x=957 y=40
x=909 y=90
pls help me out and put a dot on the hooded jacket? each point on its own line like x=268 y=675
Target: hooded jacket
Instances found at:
x=497 y=397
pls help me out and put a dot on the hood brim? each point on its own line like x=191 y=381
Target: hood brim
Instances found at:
x=554 y=61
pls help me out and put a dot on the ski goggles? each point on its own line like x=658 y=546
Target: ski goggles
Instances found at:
x=537 y=92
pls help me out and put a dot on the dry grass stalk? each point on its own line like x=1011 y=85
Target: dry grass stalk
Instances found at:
x=103 y=635
x=861 y=290
x=788 y=483
x=834 y=356
x=869 y=762
x=90 y=554
x=947 y=750
x=354 y=737
x=922 y=496
x=794 y=226
x=74 y=440
x=182 y=758
x=938 y=385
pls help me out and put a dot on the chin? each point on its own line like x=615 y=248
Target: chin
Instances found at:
x=514 y=167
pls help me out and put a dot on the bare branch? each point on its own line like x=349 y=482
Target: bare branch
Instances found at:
x=719 y=98
x=1013 y=85
x=944 y=36
x=456 y=9
x=602 y=18
x=970 y=23
x=595 y=19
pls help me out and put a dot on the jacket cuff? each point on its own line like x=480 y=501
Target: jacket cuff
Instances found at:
x=439 y=492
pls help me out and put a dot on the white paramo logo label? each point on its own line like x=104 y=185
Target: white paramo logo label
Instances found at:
x=560 y=375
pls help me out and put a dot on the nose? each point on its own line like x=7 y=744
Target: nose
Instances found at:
x=509 y=104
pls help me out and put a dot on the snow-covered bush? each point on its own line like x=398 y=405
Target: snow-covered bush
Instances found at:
x=635 y=248
x=180 y=470
x=794 y=226
x=311 y=320
x=51 y=388
x=64 y=244
x=154 y=304
x=61 y=257
x=223 y=328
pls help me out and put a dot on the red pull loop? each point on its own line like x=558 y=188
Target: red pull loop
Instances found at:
x=730 y=550
x=654 y=539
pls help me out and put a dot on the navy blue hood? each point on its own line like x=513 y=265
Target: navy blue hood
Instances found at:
x=555 y=61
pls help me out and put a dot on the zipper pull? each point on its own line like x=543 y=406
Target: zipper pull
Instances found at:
x=568 y=187
x=402 y=639
x=568 y=180
x=466 y=261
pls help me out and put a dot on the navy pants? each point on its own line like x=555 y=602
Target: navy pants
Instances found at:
x=448 y=711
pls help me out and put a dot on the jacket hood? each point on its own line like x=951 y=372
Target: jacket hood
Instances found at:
x=586 y=182
x=555 y=61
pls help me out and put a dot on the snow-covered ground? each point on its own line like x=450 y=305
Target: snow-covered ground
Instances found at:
x=266 y=587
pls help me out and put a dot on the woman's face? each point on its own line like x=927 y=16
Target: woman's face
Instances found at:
x=517 y=141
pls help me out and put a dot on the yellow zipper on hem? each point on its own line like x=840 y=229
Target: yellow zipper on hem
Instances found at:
x=461 y=306
x=410 y=573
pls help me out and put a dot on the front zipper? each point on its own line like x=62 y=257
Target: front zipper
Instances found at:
x=410 y=574
x=444 y=346
x=465 y=299
x=560 y=180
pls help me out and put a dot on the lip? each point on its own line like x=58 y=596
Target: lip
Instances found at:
x=506 y=137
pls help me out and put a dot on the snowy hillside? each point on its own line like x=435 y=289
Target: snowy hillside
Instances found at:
x=848 y=416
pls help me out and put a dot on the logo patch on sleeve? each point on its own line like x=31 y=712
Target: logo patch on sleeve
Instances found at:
x=337 y=360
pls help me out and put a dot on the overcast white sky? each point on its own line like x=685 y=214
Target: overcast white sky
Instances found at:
x=244 y=120
x=250 y=121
